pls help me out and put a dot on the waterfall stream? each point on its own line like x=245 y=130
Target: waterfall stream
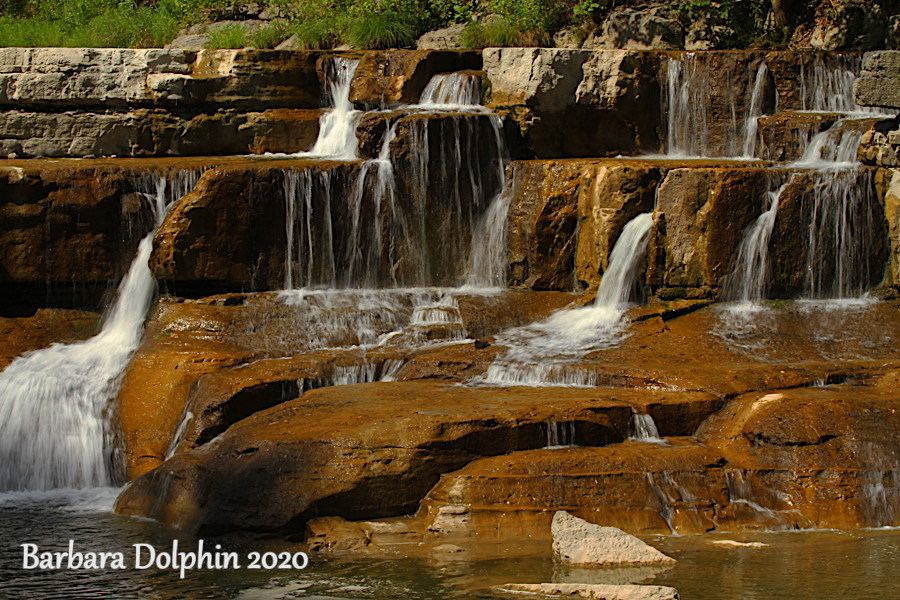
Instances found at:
x=54 y=403
x=539 y=354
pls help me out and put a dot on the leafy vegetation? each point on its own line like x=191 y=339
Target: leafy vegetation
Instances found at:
x=319 y=24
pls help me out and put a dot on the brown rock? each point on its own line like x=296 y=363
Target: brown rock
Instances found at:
x=609 y=197
x=334 y=534
x=700 y=218
x=542 y=222
x=336 y=450
x=399 y=76
x=23 y=334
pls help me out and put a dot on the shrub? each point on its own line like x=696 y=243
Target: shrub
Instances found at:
x=229 y=36
x=377 y=31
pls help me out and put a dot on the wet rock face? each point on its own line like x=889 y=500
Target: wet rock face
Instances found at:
x=609 y=198
x=700 y=218
x=606 y=100
x=542 y=223
x=340 y=451
x=67 y=233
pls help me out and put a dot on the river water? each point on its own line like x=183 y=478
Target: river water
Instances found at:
x=793 y=565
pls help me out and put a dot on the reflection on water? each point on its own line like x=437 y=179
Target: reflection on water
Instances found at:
x=796 y=566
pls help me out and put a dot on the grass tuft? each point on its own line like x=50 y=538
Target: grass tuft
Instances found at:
x=380 y=31
x=228 y=37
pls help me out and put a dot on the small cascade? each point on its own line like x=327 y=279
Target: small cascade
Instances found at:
x=54 y=403
x=542 y=353
x=839 y=263
x=827 y=84
x=748 y=281
x=560 y=434
x=374 y=229
x=452 y=91
x=751 y=125
x=835 y=148
x=643 y=429
x=688 y=130
x=879 y=498
x=337 y=127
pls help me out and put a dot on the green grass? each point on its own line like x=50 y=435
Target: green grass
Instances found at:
x=269 y=36
x=381 y=30
x=231 y=36
x=126 y=27
x=502 y=33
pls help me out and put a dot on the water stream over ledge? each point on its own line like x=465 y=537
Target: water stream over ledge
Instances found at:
x=392 y=324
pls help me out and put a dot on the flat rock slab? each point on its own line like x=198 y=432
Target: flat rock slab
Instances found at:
x=362 y=451
x=594 y=592
x=578 y=541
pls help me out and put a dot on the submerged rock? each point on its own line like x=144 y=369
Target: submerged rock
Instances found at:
x=593 y=591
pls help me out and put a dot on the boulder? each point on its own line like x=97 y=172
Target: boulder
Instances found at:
x=577 y=103
x=879 y=82
x=447 y=38
x=578 y=541
x=851 y=26
x=593 y=591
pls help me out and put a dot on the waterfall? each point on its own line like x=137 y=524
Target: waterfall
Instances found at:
x=756 y=111
x=643 y=429
x=843 y=218
x=442 y=224
x=542 y=353
x=828 y=85
x=748 y=281
x=54 y=402
x=452 y=91
x=560 y=434
x=337 y=127
x=687 y=119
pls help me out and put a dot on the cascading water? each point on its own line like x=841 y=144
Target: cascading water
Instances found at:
x=337 y=127
x=751 y=126
x=456 y=91
x=539 y=353
x=643 y=429
x=54 y=402
x=748 y=281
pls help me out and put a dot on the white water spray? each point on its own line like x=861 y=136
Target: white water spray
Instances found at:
x=337 y=127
